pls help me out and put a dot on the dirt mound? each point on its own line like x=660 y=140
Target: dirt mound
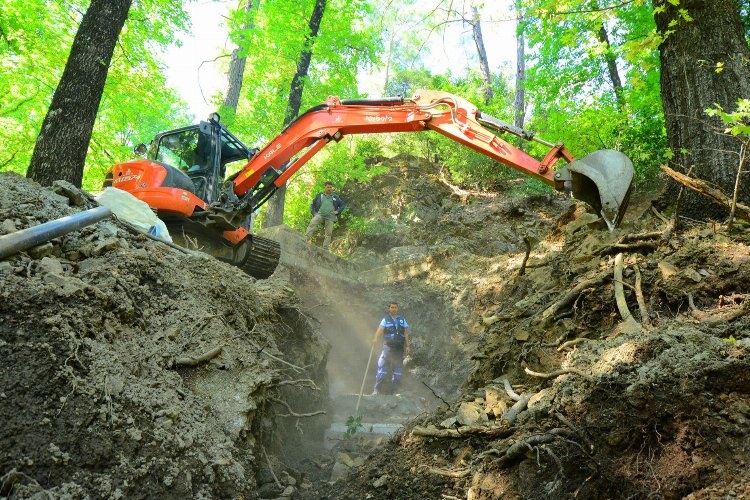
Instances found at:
x=569 y=399
x=131 y=369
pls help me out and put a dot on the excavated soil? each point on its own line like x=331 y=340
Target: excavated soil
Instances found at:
x=530 y=383
x=102 y=391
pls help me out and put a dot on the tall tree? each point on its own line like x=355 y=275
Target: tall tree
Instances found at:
x=614 y=74
x=519 y=103
x=484 y=66
x=704 y=61
x=275 y=210
x=63 y=141
x=237 y=63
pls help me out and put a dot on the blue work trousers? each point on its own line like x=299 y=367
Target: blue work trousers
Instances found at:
x=391 y=362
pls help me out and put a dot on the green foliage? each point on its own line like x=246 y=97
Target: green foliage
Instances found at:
x=736 y=122
x=353 y=424
x=35 y=39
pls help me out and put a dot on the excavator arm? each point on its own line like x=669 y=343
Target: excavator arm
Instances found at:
x=603 y=179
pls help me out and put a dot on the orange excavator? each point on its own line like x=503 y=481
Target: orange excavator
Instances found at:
x=183 y=174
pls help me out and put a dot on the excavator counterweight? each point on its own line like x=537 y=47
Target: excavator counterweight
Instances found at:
x=183 y=176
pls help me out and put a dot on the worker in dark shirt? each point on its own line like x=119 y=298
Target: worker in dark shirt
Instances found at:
x=325 y=209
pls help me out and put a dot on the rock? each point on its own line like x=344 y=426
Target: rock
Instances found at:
x=580 y=222
x=268 y=490
x=288 y=492
x=667 y=269
x=471 y=414
x=381 y=481
x=8 y=226
x=339 y=470
x=73 y=194
x=522 y=335
x=43 y=250
x=537 y=397
x=448 y=423
x=50 y=265
x=6 y=267
x=345 y=459
x=692 y=274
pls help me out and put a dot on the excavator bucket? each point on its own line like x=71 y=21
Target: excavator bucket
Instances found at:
x=603 y=179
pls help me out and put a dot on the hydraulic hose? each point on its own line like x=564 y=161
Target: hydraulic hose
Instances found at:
x=497 y=124
x=33 y=236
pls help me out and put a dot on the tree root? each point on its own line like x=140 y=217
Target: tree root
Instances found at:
x=570 y=297
x=517 y=451
x=305 y=382
x=630 y=323
x=292 y=413
x=508 y=418
x=707 y=190
x=527 y=244
x=509 y=390
x=640 y=298
x=557 y=373
x=199 y=360
x=466 y=431
x=637 y=247
x=571 y=343
x=445 y=472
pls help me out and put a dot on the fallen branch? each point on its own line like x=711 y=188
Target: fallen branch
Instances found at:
x=508 y=418
x=509 y=390
x=629 y=238
x=571 y=343
x=557 y=373
x=570 y=297
x=465 y=431
x=199 y=360
x=711 y=192
x=292 y=413
x=630 y=323
x=445 y=472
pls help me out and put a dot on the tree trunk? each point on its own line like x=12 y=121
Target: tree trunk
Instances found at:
x=62 y=144
x=237 y=67
x=691 y=82
x=519 y=104
x=484 y=65
x=275 y=210
x=614 y=75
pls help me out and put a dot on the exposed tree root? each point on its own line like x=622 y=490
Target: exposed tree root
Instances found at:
x=640 y=298
x=527 y=244
x=292 y=413
x=517 y=451
x=509 y=390
x=508 y=418
x=630 y=323
x=445 y=472
x=463 y=432
x=636 y=247
x=570 y=297
x=199 y=360
x=571 y=343
x=557 y=373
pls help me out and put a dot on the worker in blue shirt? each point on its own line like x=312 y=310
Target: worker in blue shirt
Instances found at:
x=395 y=331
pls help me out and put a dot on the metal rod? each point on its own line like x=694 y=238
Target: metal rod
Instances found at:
x=362 y=389
x=34 y=236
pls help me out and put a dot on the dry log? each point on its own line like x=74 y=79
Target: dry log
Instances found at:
x=707 y=190
x=465 y=431
x=570 y=297
x=557 y=373
x=199 y=360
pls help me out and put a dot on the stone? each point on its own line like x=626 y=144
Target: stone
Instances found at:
x=339 y=471
x=345 y=459
x=448 y=423
x=73 y=194
x=40 y=251
x=8 y=226
x=692 y=274
x=471 y=414
x=381 y=481
x=522 y=335
x=667 y=269
x=288 y=492
x=50 y=265
x=582 y=221
x=268 y=490
x=537 y=397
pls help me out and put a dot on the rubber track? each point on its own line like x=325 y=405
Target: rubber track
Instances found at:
x=263 y=259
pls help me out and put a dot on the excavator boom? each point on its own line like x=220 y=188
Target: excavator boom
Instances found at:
x=602 y=179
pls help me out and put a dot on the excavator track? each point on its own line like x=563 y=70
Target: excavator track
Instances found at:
x=263 y=259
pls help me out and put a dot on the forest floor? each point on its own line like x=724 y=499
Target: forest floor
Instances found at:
x=134 y=370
